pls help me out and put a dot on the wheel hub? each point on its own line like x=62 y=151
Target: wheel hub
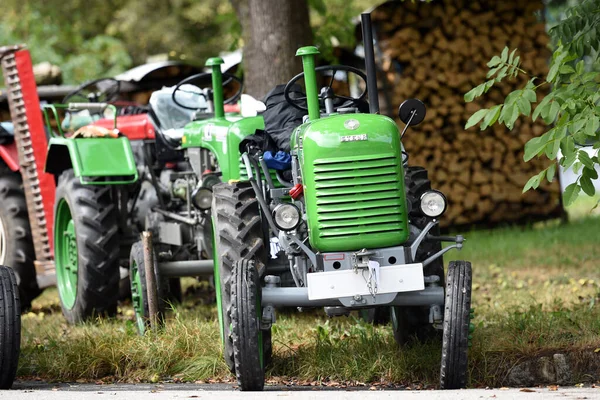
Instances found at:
x=137 y=298
x=67 y=260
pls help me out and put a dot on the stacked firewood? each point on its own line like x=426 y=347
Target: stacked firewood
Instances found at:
x=437 y=51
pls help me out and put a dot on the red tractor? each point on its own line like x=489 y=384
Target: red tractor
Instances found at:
x=27 y=193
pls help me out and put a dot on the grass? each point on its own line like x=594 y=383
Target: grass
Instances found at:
x=536 y=291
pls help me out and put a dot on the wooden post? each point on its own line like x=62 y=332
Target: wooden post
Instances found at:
x=151 y=288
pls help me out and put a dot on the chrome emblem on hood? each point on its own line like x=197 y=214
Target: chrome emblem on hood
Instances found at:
x=351 y=124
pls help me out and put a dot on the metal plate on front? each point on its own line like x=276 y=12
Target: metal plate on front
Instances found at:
x=342 y=283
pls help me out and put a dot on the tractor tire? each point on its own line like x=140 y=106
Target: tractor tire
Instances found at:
x=245 y=314
x=16 y=243
x=10 y=326
x=238 y=235
x=86 y=249
x=455 y=342
x=410 y=323
x=139 y=289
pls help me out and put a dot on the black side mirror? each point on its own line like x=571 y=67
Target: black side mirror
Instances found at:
x=412 y=112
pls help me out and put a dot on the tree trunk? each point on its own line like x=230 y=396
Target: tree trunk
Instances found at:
x=272 y=30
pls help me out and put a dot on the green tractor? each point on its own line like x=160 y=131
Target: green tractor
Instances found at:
x=119 y=175
x=355 y=228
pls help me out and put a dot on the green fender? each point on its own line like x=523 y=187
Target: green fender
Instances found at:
x=92 y=158
x=222 y=137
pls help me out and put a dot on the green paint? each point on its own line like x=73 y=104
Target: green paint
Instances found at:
x=94 y=157
x=65 y=253
x=217 y=84
x=137 y=298
x=354 y=190
x=310 y=80
x=222 y=137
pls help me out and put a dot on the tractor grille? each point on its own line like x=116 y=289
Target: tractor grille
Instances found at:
x=360 y=198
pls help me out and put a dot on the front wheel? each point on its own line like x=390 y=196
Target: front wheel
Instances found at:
x=245 y=315
x=455 y=343
x=86 y=249
x=237 y=235
x=10 y=327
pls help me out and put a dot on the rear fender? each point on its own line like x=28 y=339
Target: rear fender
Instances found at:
x=92 y=158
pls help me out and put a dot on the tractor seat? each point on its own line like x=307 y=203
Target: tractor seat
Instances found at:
x=6 y=133
x=169 y=118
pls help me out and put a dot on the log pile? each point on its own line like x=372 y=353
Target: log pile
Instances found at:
x=437 y=52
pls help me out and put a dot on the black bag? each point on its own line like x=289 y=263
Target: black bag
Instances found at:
x=281 y=118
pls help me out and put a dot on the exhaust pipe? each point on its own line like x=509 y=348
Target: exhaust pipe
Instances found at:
x=367 y=32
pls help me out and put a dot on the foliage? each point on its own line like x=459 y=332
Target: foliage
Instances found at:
x=334 y=23
x=70 y=34
x=572 y=107
x=91 y=39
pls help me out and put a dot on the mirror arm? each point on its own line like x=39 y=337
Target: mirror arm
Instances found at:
x=412 y=115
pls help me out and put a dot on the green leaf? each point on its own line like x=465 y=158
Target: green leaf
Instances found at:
x=495 y=61
x=524 y=106
x=550 y=172
x=580 y=67
x=590 y=173
x=585 y=159
x=534 y=147
x=512 y=56
x=530 y=95
x=552 y=112
x=475 y=118
x=501 y=73
x=513 y=97
x=552 y=149
x=566 y=69
x=571 y=193
x=587 y=185
x=491 y=116
x=553 y=72
x=577 y=125
x=592 y=126
x=543 y=107
x=512 y=118
x=504 y=55
x=534 y=180
x=475 y=92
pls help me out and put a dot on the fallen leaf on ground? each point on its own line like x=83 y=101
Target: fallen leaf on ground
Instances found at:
x=527 y=390
x=553 y=387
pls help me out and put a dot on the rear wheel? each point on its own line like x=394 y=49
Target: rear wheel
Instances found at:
x=455 y=343
x=245 y=314
x=86 y=249
x=10 y=327
x=16 y=243
x=237 y=235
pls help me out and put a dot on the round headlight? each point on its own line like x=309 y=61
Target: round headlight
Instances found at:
x=286 y=216
x=433 y=203
x=202 y=198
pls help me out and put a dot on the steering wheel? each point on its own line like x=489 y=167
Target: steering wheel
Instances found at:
x=104 y=90
x=200 y=77
x=297 y=101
